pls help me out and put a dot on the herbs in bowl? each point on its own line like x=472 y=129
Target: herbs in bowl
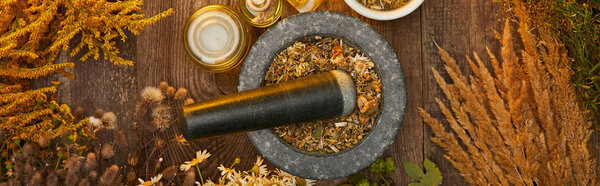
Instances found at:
x=384 y=9
x=383 y=4
x=322 y=54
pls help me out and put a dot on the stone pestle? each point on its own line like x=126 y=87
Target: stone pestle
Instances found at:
x=314 y=97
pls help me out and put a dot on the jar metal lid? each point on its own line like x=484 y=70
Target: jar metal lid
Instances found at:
x=216 y=38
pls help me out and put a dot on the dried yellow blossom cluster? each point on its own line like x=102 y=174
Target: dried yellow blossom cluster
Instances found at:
x=32 y=34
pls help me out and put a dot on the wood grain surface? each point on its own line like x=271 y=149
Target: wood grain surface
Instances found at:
x=460 y=26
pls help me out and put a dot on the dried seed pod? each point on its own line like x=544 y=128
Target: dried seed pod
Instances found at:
x=170 y=172
x=132 y=159
x=162 y=86
x=181 y=94
x=170 y=91
x=188 y=101
x=131 y=175
x=90 y=162
x=98 y=113
x=109 y=176
x=107 y=151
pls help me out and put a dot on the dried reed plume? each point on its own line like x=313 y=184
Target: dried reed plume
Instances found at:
x=520 y=124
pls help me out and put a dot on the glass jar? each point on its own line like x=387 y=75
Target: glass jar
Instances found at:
x=216 y=38
x=261 y=13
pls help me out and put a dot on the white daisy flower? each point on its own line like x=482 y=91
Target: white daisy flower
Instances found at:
x=152 y=180
x=258 y=167
x=200 y=157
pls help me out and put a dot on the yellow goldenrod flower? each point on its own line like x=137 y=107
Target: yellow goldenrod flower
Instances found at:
x=200 y=157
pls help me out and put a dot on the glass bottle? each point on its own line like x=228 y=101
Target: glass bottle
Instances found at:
x=261 y=13
x=305 y=5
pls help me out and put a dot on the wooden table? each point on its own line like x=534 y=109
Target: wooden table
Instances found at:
x=460 y=26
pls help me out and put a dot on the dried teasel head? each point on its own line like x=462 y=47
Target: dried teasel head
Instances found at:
x=152 y=94
x=110 y=174
x=132 y=159
x=170 y=172
x=190 y=177
x=131 y=175
x=107 y=151
x=90 y=162
x=73 y=164
x=161 y=117
x=109 y=120
x=93 y=174
x=119 y=137
x=43 y=141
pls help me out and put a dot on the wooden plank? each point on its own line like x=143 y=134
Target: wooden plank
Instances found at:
x=457 y=25
x=461 y=27
x=447 y=23
x=404 y=35
x=162 y=57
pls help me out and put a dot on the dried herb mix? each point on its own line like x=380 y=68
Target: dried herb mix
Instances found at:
x=323 y=54
x=383 y=4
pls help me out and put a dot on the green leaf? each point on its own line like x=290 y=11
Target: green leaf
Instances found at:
x=417 y=184
x=318 y=132
x=433 y=176
x=390 y=165
x=413 y=170
x=363 y=182
x=373 y=183
x=356 y=178
x=378 y=166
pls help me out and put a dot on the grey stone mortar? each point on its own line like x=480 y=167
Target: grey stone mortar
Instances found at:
x=324 y=23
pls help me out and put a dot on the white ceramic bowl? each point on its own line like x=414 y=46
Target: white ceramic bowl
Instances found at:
x=384 y=15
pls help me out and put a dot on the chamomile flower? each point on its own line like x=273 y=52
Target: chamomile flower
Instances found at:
x=208 y=183
x=305 y=182
x=310 y=182
x=224 y=170
x=200 y=157
x=152 y=180
x=237 y=179
x=258 y=167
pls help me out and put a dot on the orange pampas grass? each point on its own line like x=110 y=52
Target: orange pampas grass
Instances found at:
x=519 y=124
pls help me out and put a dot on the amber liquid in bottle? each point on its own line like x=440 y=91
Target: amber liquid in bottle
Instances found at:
x=305 y=5
x=296 y=3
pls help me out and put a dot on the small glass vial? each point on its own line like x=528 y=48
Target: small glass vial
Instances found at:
x=305 y=5
x=261 y=13
x=216 y=38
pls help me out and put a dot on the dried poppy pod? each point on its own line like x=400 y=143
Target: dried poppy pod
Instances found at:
x=320 y=96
